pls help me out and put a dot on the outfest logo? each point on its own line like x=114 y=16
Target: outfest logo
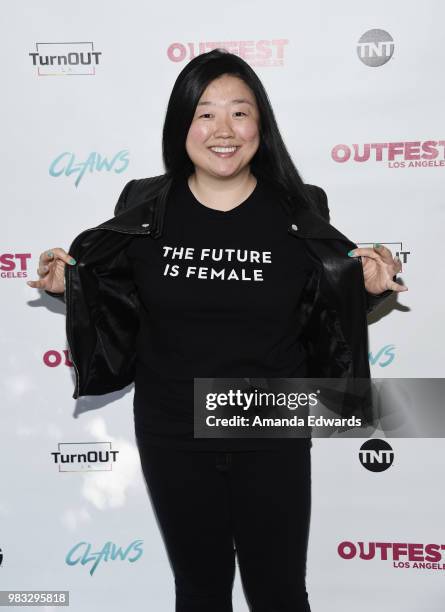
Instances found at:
x=54 y=358
x=14 y=265
x=264 y=52
x=404 y=154
x=403 y=555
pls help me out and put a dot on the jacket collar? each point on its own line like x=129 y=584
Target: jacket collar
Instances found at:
x=135 y=220
x=303 y=223
x=308 y=224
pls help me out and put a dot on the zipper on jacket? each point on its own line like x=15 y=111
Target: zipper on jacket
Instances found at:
x=68 y=293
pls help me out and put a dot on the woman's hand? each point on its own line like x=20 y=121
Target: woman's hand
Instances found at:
x=379 y=267
x=52 y=270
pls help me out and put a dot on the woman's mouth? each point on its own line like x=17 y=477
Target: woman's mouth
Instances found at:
x=224 y=151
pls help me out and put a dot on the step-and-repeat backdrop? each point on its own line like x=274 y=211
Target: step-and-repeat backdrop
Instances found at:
x=358 y=94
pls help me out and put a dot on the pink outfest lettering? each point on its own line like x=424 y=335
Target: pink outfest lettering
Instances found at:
x=393 y=551
x=14 y=265
x=53 y=358
x=409 y=151
x=256 y=52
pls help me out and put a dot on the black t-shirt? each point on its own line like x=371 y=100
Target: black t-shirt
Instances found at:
x=219 y=294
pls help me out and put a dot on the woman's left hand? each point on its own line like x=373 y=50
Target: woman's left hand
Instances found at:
x=379 y=267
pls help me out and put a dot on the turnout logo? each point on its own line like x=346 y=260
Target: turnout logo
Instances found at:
x=65 y=58
x=396 y=248
x=84 y=457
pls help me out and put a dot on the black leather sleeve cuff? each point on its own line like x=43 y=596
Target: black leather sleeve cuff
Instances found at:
x=374 y=300
x=59 y=296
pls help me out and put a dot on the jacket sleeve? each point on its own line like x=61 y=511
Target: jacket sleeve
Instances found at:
x=372 y=301
x=59 y=296
x=120 y=206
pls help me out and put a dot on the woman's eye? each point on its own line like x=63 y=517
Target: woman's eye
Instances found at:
x=210 y=114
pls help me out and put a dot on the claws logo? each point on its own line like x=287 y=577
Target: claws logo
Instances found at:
x=384 y=356
x=66 y=164
x=81 y=553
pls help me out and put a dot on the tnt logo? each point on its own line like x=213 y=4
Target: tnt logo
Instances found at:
x=375 y=48
x=14 y=265
x=376 y=455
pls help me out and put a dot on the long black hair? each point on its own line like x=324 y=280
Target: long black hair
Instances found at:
x=271 y=162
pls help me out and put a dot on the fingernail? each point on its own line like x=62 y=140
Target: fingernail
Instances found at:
x=72 y=261
x=29 y=283
x=50 y=254
x=377 y=244
x=351 y=253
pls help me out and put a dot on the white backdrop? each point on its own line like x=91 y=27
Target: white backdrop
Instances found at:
x=74 y=135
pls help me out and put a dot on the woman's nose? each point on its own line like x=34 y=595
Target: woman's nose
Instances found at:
x=223 y=129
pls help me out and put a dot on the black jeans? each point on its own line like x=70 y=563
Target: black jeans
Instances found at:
x=211 y=505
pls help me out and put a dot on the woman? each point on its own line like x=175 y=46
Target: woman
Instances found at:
x=221 y=267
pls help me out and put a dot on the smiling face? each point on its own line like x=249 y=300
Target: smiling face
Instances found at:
x=226 y=117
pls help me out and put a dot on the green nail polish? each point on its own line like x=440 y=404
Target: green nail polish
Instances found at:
x=50 y=253
x=72 y=261
x=351 y=254
x=377 y=244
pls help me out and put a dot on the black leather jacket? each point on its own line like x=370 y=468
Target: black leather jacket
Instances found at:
x=102 y=304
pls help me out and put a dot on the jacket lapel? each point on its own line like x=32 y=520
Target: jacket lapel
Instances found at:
x=135 y=220
x=307 y=224
x=303 y=223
